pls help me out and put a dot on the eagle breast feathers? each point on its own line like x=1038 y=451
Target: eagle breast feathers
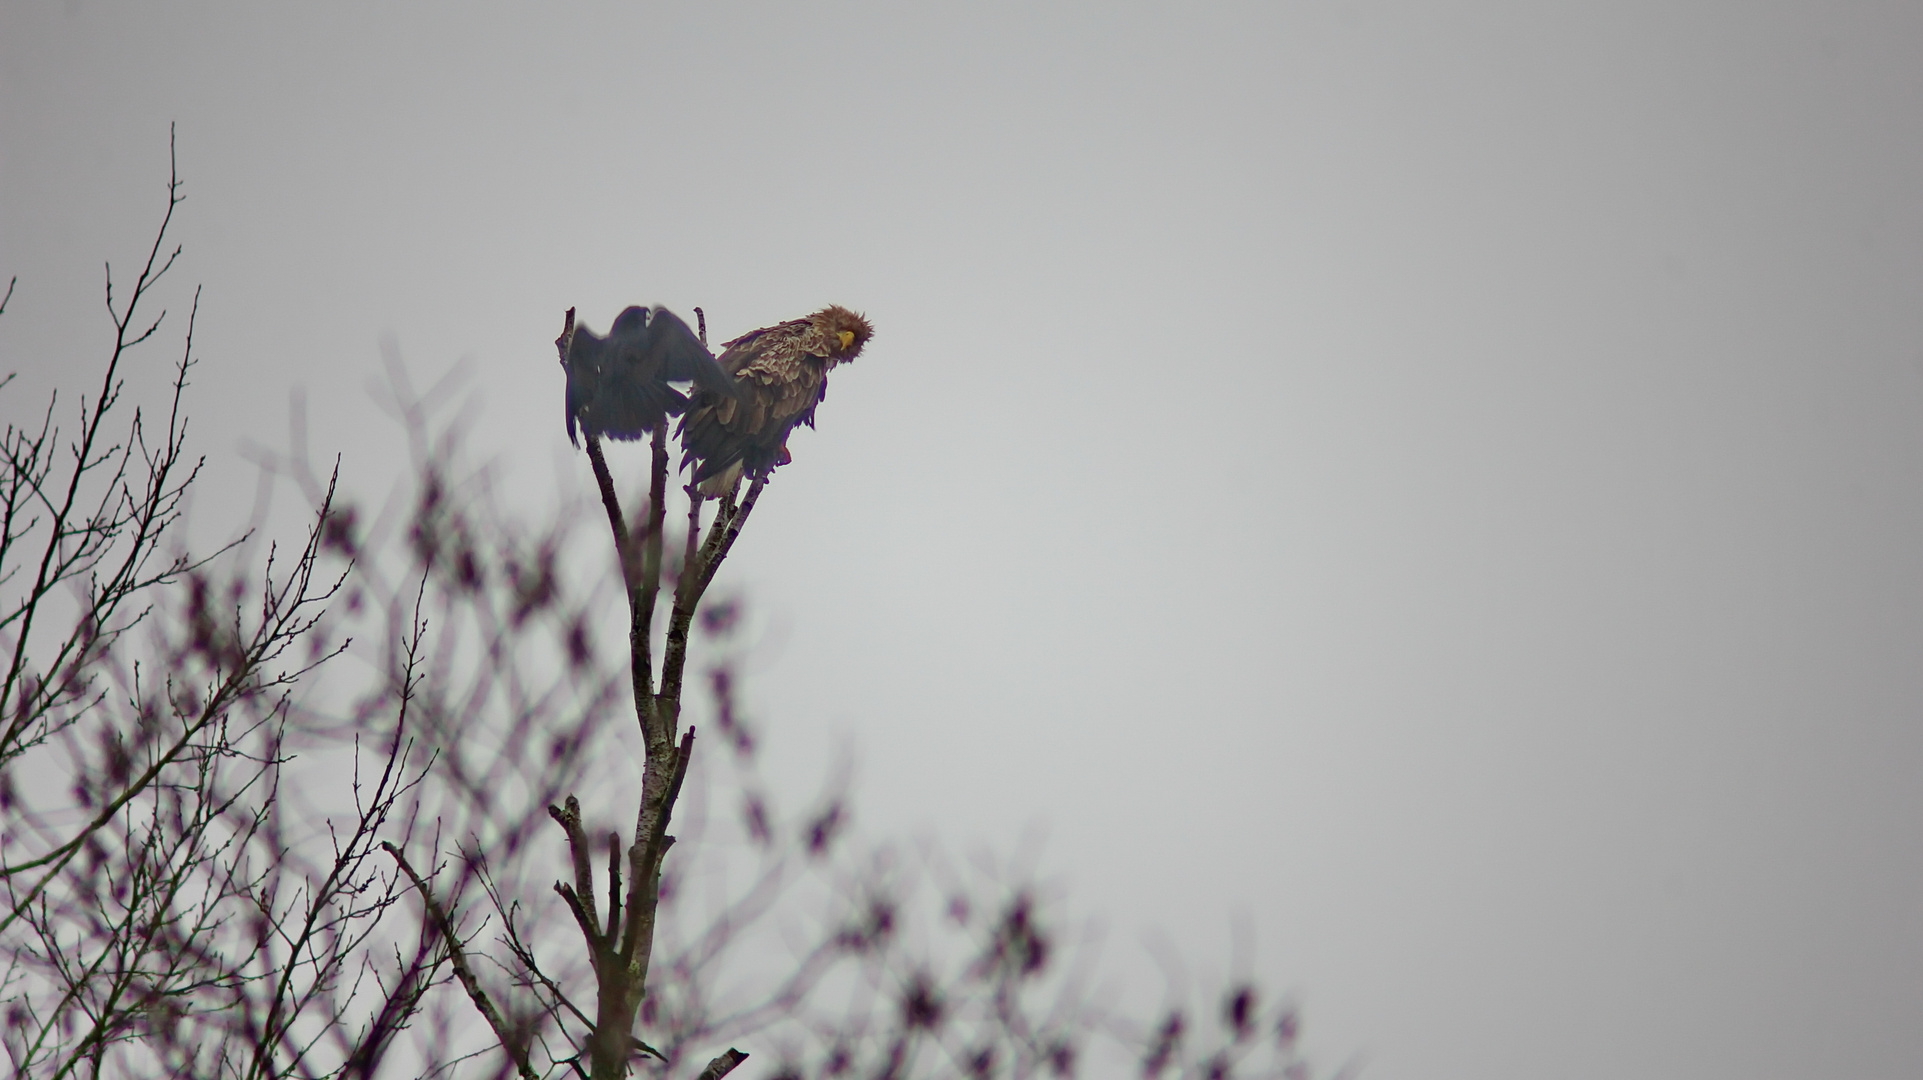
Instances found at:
x=781 y=374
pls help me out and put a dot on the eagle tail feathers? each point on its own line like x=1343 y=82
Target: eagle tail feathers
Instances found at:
x=720 y=482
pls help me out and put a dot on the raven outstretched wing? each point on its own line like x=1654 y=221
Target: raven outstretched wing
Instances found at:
x=618 y=386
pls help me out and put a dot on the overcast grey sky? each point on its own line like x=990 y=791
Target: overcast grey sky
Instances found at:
x=1444 y=480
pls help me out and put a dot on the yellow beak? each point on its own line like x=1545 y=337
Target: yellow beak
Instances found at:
x=847 y=337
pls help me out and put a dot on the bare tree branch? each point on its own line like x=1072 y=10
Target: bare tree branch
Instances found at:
x=723 y=1064
x=462 y=970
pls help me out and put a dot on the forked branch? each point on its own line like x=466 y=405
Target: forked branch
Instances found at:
x=457 y=954
x=622 y=944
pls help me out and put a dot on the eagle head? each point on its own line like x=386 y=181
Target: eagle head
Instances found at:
x=842 y=332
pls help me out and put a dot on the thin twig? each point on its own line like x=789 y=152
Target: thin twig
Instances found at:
x=461 y=969
x=735 y=524
x=581 y=919
x=691 y=555
x=623 y=543
x=720 y=541
x=651 y=583
x=569 y=817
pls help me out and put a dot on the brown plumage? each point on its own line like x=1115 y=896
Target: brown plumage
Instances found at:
x=781 y=374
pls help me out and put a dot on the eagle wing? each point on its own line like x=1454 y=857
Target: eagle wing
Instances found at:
x=779 y=379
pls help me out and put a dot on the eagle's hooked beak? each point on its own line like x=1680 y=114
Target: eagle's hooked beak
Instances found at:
x=847 y=337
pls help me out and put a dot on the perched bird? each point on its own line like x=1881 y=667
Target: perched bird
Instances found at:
x=781 y=374
x=618 y=385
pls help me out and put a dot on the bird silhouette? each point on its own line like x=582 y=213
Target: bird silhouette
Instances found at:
x=618 y=386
